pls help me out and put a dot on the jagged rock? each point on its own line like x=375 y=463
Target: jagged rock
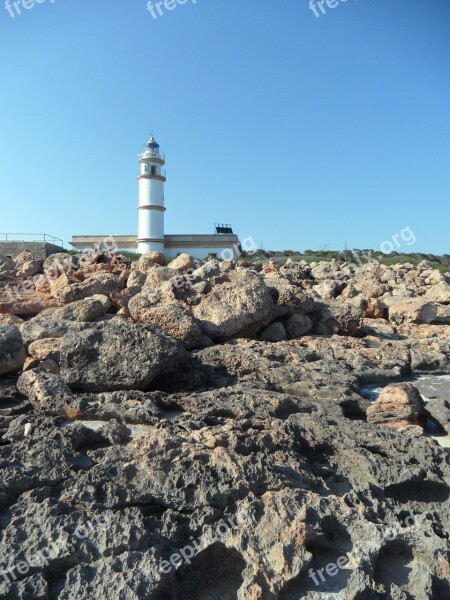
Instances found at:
x=439 y=409
x=398 y=406
x=58 y=264
x=48 y=328
x=118 y=355
x=439 y=293
x=375 y=309
x=443 y=315
x=298 y=325
x=288 y=295
x=102 y=283
x=7 y=319
x=206 y=272
x=173 y=318
x=159 y=275
x=272 y=439
x=183 y=262
x=23 y=301
x=86 y=310
x=12 y=350
x=148 y=261
x=7 y=267
x=235 y=308
x=417 y=311
x=380 y=328
x=27 y=265
x=46 y=391
x=137 y=279
x=45 y=348
x=340 y=318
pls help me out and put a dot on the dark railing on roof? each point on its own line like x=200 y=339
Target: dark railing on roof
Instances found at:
x=36 y=237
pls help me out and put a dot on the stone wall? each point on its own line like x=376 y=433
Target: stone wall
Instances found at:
x=38 y=249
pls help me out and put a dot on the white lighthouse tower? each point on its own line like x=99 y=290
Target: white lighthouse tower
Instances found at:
x=151 y=199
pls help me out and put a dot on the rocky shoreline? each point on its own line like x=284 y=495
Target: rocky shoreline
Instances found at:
x=201 y=431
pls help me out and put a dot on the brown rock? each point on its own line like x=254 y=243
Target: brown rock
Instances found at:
x=102 y=283
x=439 y=293
x=27 y=265
x=375 y=309
x=416 y=311
x=45 y=348
x=148 y=261
x=269 y=267
x=173 y=318
x=397 y=406
x=183 y=262
x=239 y=307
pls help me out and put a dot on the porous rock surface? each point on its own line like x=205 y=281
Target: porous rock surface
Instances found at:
x=235 y=456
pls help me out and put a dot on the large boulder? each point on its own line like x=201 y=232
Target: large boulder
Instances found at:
x=298 y=325
x=7 y=266
x=206 y=272
x=103 y=283
x=183 y=262
x=275 y=332
x=46 y=348
x=148 y=261
x=12 y=350
x=22 y=299
x=443 y=315
x=57 y=264
x=48 y=328
x=340 y=318
x=439 y=293
x=46 y=391
x=240 y=307
x=397 y=406
x=295 y=299
x=173 y=318
x=84 y=310
x=417 y=311
x=27 y=265
x=118 y=355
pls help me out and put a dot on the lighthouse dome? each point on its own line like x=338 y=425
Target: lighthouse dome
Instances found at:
x=152 y=144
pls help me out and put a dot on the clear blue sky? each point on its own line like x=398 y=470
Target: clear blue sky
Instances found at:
x=300 y=131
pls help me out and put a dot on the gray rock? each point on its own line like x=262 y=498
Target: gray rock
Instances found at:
x=12 y=350
x=340 y=318
x=298 y=325
x=60 y=263
x=101 y=283
x=27 y=265
x=46 y=391
x=118 y=355
x=7 y=266
x=416 y=311
x=36 y=329
x=439 y=410
x=86 y=310
x=239 y=307
x=275 y=332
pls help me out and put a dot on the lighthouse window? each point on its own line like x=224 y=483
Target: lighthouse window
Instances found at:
x=153 y=170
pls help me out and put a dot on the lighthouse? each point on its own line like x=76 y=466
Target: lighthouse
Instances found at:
x=151 y=199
